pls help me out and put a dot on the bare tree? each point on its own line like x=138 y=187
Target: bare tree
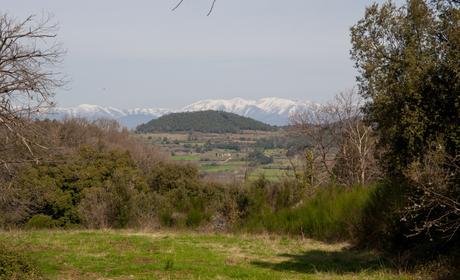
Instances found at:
x=357 y=147
x=342 y=143
x=319 y=126
x=28 y=55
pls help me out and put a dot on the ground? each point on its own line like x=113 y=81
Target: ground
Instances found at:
x=186 y=255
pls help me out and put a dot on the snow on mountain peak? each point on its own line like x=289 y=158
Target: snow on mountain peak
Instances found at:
x=272 y=110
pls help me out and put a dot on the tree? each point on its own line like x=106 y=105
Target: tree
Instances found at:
x=407 y=58
x=28 y=55
x=355 y=159
x=409 y=72
x=342 y=144
x=319 y=125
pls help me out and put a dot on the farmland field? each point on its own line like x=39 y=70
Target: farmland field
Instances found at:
x=186 y=255
x=227 y=155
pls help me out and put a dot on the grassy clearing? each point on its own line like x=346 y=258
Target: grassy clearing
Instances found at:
x=186 y=158
x=134 y=255
x=224 y=167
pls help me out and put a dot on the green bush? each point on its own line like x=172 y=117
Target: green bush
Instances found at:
x=331 y=214
x=166 y=218
x=15 y=265
x=92 y=178
x=41 y=221
x=195 y=217
x=380 y=217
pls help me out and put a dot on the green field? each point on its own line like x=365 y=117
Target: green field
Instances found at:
x=186 y=158
x=141 y=255
x=224 y=155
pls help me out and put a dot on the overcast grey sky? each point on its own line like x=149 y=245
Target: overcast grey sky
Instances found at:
x=141 y=54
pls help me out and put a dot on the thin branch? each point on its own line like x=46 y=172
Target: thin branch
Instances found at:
x=212 y=7
x=177 y=5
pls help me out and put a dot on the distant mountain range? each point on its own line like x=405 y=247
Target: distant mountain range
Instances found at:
x=271 y=110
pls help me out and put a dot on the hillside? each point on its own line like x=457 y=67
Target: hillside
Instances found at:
x=203 y=121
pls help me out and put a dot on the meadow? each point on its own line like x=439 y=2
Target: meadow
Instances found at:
x=108 y=254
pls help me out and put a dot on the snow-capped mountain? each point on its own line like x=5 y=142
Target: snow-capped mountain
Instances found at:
x=126 y=117
x=271 y=110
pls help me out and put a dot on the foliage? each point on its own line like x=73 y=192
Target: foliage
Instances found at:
x=380 y=226
x=203 y=121
x=15 y=265
x=258 y=156
x=56 y=189
x=41 y=221
x=331 y=214
x=407 y=58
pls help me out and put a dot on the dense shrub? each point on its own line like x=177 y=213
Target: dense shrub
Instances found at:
x=258 y=157
x=41 y=221
x=14 y=265
x=330 y=214
x=102 y=183
x=380 y=227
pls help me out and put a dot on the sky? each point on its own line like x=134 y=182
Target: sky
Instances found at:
x=139 y=53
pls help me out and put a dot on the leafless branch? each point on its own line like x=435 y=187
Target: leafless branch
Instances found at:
x=28 y=55
x=343 y=145
x=435 y=206
x=213 y=3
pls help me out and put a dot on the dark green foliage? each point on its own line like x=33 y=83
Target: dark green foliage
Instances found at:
x=55 y=190
x=258 y=157
x=166 y=218
x=195 y=217
x=408 y=61
x=380 y=225
x=166 y=177
x=185 y=199
x=14 y=265
x=203 y=121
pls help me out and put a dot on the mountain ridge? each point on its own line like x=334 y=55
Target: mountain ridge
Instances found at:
x=270 y=110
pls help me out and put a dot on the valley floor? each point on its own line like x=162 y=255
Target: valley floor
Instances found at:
x=184 y=255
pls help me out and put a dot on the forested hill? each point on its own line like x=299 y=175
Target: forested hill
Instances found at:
x=203 y=121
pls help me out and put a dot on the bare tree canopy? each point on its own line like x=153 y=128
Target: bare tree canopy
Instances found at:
x=29 y=53
x=343 y=145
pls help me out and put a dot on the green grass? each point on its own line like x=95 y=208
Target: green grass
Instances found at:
x=230 y=166
x=139 y=255
x=186 y=158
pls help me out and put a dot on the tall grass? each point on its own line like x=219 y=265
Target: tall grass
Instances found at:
x=331 y=214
